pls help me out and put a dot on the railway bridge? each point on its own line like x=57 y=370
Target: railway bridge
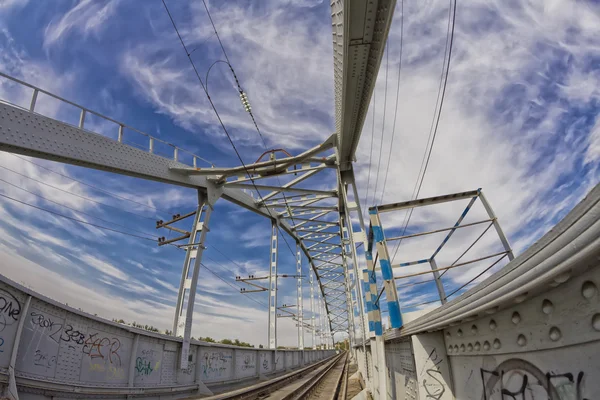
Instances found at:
x=529 y=330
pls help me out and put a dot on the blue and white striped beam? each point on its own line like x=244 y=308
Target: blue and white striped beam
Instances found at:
x=460 y=219
x=389 y=284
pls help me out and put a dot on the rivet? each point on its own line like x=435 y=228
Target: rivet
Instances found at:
x=596 y=321
x=521 y=298
x=555 y=334
x=493 y=325
x=516 y=318
x=449 y=349
x=448 y=334
x=459 y=333
x=486 y=345
x=455 y=348
x=521 y=340
x=469 y=347
x=462 y=348
x=474 y=330
x=562 y=278
x=477 y=346
x=496 y=343
x=547 y=307
x=588 y=289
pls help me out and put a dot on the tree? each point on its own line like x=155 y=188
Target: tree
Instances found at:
x=226 y=341
x=260 y=346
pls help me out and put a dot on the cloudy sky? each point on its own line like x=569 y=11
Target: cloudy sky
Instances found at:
x=519 y=120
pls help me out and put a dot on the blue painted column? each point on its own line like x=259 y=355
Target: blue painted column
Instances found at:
x=386 y=270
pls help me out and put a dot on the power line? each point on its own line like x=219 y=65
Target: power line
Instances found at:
x=96 y=188
x=115 y=231
x=241 y=91
x=372 y=139
x=440 y=101
x=74 y=194
x=387 y=169
x=72 y=209
x=221 y=122
x=387 y=67
x=88 y=184
x=228 y=283
x=77 y=220
x=478 y=275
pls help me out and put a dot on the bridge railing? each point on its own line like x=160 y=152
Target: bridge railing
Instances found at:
x=420 y=283
x=123 y=133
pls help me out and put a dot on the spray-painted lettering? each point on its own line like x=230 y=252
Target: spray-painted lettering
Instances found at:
x=10 y=308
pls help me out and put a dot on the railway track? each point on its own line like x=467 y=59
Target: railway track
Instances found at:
x=326 y=380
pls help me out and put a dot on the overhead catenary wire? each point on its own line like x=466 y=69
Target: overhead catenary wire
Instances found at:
x=372 y=140
x=221 y=121
x=436 y=116
x=108 y=229
x=241 y=91
x=77 y=220
x=74 y=209
x=387 y=67
x=389 y=158
x=93 y=216
x=75 y=194
x=89 y=185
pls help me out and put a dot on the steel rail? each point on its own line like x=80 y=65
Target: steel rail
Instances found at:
x=305 y=391
x=263 y=388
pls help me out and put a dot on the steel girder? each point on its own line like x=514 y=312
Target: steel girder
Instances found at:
x=26 y=132
x=360 y=31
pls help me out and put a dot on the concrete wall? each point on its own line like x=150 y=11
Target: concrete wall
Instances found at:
x=543 y=347
x=61 y=350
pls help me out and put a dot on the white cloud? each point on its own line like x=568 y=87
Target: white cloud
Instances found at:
x=87 y=17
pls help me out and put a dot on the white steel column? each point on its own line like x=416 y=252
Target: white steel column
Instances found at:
x=299 y=300
x=312 y=309
x=182 y=324
x=273 y=288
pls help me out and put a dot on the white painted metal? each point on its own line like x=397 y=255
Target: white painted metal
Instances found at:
x=273 y=286
x=299 y=298
x=360 y=31
x=189 y=277
x=312 y=310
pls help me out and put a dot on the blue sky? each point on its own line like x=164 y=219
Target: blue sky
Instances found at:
x=520 y=120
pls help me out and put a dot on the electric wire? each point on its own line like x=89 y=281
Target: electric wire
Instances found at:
x=387 y=67
x=240 y=90
x=478 y=275
x=88 y=184
x=77 y=220
x=221 y=122
x=387 y=169
x=74 y=209
x=372 y=139
x=108 y=229
x=434 y=128
x=74 y=194
x=232 y=286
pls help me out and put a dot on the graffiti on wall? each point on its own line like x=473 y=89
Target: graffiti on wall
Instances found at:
x=10 y=308
x=517 y=379
x=431 y=377
x=215 y=364
x=248 y=362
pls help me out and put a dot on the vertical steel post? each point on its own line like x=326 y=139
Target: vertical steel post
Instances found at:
x=438 y=281
x=348 y=282
x=499 y=230
x=312 y=308
x=299 y=300
x=273 y=288
x=182 y=325
x=386 y=270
